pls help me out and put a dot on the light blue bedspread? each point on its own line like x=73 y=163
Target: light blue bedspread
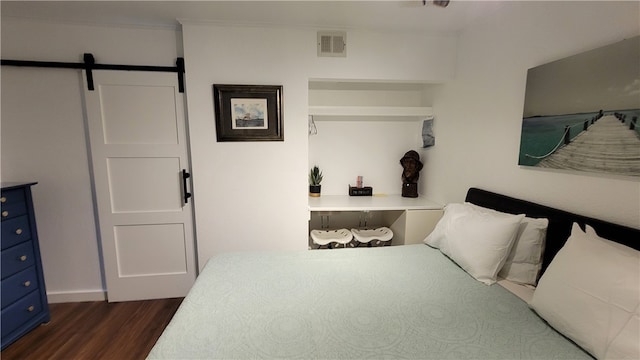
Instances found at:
x=391 y=302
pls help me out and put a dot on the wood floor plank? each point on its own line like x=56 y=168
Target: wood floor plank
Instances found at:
x=96 y=330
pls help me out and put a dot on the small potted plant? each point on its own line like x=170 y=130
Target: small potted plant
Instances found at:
x=315 y=178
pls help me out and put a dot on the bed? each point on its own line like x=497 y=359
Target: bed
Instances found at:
x=412 y=301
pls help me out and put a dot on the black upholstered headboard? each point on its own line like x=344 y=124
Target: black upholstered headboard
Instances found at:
x=560 y=221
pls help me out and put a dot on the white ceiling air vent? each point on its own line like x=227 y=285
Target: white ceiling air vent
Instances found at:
x=332 y=43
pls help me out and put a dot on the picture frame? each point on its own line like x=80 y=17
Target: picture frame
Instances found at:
x=248 y=112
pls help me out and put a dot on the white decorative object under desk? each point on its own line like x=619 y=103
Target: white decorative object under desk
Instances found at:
x=410 y=219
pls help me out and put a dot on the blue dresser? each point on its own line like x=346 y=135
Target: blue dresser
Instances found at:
x=23 y=294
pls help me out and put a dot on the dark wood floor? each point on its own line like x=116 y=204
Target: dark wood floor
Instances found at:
x=96 y=330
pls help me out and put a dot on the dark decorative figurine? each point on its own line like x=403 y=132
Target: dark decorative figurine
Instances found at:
x=411 y=164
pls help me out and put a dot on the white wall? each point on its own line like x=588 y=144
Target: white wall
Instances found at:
x=251 y=195
x=43 y=137
x=262 y=184
x=479 y=114
x=344 y=149
x=254 y=195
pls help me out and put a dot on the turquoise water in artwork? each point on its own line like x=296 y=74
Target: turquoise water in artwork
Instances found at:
x=542 y=134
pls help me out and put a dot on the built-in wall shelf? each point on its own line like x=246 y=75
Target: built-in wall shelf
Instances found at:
x=363 y=128
x=408 y=112
x=370 y=100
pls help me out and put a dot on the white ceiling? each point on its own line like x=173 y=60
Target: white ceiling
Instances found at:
x=385 y=15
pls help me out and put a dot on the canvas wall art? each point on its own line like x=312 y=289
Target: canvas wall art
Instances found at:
x=581 y=112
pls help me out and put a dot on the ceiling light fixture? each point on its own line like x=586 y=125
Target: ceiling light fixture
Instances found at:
x=441 y=3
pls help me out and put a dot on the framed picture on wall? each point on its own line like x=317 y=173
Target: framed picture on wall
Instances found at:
x=581 y=112
x=248 y=112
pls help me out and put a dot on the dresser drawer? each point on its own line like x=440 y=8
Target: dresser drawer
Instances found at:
x=9 y=197
x=12 y=210
x=18 y=285
x=20 y=312
x=17 y=258
x=15 y=231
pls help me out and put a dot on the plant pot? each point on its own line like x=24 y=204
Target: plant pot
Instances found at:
x=314 y=190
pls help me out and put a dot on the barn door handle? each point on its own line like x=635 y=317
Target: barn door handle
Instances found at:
x=185 y=176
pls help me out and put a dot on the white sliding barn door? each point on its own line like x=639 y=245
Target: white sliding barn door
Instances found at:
x=138 y=143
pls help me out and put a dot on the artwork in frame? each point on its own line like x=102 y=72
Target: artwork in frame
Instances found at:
x=581 y=112
x=248 y=112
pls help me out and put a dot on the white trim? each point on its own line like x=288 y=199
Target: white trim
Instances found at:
x=76 y=296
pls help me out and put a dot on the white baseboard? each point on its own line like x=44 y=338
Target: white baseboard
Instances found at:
x=76 y=296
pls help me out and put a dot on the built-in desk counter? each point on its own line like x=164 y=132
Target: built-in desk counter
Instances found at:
x=370 y=203
x=410 y=219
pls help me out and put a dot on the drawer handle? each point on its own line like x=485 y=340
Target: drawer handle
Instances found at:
x=27 y=283
x=5 y=213
x=18 y=231
x=23 y=258
x=3 y=199
x=31 y=308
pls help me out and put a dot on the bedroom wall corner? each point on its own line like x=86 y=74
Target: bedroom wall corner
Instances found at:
x=478 y=143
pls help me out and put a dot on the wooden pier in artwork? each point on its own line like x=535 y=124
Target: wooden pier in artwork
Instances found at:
x=609 y=145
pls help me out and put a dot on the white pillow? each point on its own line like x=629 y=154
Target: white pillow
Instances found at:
x=525 y=259
x=478 y=241
x=591 y=293
x=524 y=263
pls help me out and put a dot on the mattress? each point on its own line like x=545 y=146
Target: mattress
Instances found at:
x=391 y=302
